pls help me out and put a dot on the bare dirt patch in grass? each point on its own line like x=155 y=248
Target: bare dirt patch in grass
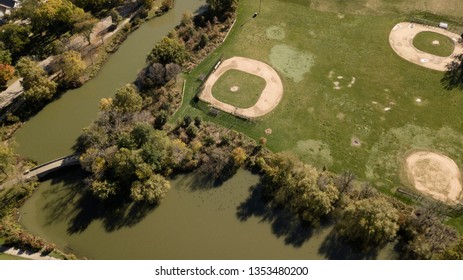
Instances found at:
x=275 y=33
x=292 y=62
x=435 y=175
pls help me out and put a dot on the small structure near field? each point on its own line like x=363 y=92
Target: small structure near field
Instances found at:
x=443 y=25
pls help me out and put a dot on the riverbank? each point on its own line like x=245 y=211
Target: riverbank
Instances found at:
x=24 y=254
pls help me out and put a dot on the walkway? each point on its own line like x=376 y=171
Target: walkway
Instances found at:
x=401 y=40
x=51 y=166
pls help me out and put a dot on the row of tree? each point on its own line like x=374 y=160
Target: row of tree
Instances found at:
x=362 y=216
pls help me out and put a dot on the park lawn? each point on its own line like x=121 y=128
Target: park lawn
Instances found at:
x=457 y=223
x=246 y=95
x=424 y=42
x=342 y=81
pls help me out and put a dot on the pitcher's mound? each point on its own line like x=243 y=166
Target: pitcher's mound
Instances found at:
x=435 y=175
x=234 y=88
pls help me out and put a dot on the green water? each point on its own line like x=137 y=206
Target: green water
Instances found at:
x=54 y=130
x=192 y=222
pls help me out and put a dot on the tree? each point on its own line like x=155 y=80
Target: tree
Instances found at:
x=5 y=57
x=115 y=16
x=168 y=51
x=35 y=83
x=6 y=159
x=239 y=156
x=6 y=73
x=55 y=16
x=218 y=7
x=96 y=6
x=151 y=190
x=453 y=77
x=83 y=24
x=127 y=100
x=72 y=65
x=424 y=236
x=15 y=38
x=369 y=222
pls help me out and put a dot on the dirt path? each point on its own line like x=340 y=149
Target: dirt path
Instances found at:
x=268 y=100
x=435 y=175
x=401 y=40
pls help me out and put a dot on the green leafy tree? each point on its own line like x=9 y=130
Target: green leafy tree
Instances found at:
x=127 y=100
x=72 y=66
x=220 y=6
x=6 y=159
x=5 y=57
x=151 y=190
x=55 y=16
x=36 y=85
x=294 y=186
x=15 y=38
x=83 y=24
x=369 y=222
x=168 y=51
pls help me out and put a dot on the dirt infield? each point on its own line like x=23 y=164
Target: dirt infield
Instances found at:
x=435 y=175
x=268 y=100
x=401 y=40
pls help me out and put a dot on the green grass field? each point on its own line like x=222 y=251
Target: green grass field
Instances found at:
x=248 y=91
x=424 y=42
x=342 y=81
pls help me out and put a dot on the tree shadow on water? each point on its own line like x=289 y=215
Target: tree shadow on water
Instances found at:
x=284 y=224
x=335 y=247
x=73 y=203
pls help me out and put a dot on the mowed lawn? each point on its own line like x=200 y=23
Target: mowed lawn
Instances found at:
x=434 y=43
x=343 y=83
x=238 y=88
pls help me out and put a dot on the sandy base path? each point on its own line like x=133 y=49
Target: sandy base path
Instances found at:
x=271 y=94
x=401 y=40
x=435 y=175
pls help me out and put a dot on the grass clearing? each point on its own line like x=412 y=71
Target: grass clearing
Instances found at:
x=434 y=43
x=238 y=88
x=356 y=85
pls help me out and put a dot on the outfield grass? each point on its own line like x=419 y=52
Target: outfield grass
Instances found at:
x=342 y=81
x=424 y=42
x=249 y=89
x=457 y=223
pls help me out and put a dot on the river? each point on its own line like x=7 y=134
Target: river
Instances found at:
x=53 y=131
x=193 y=222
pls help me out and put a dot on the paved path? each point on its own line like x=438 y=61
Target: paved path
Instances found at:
x=401 y=40
x=51 y=166
x=268 y=100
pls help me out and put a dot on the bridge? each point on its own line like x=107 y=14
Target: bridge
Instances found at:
x=46 y=168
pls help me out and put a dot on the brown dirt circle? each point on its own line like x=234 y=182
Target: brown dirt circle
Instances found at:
x=268 y=100
x=401 y=41
x=435 y=175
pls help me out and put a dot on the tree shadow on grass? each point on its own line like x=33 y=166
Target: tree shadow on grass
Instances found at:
x=72 y=202
x=453 y=77
x=284 y=224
